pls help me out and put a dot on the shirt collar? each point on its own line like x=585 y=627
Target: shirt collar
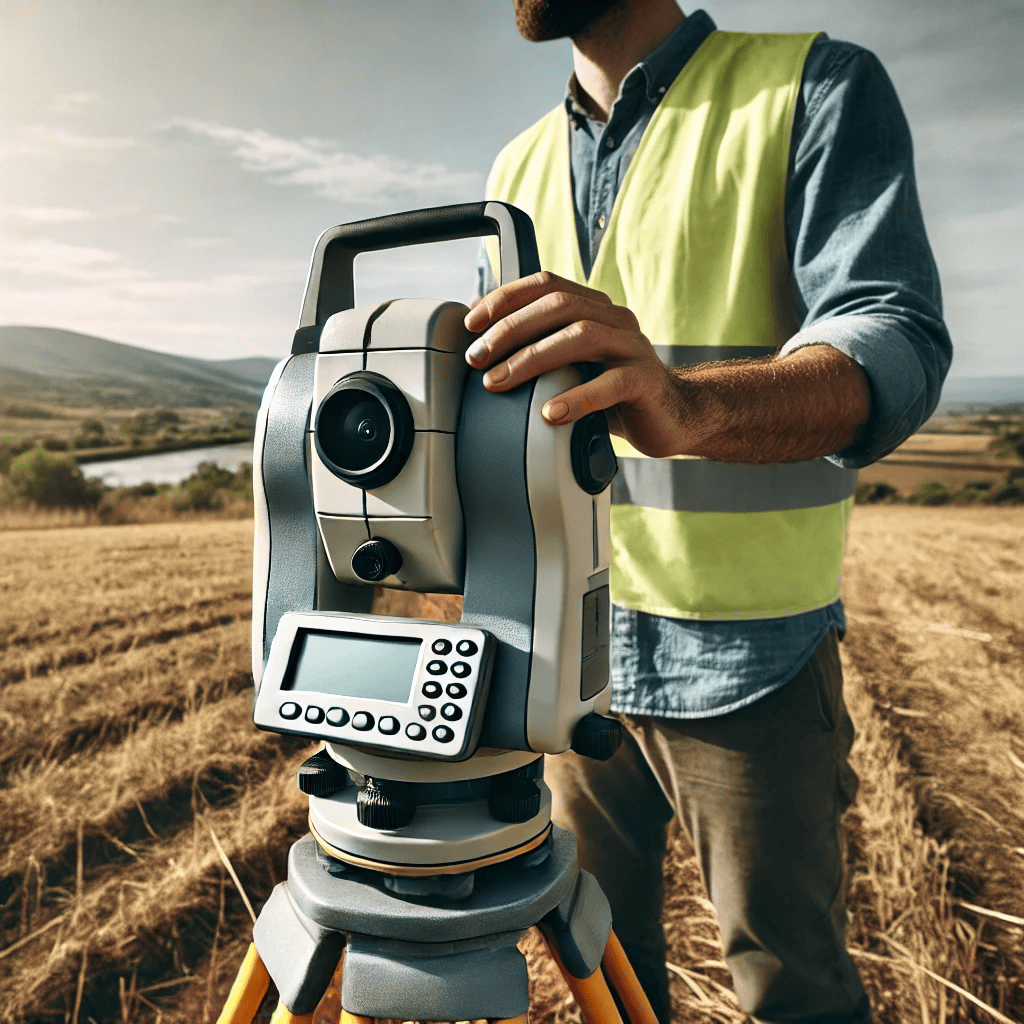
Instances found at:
x=660 y=68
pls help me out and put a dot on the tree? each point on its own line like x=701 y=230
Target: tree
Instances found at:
x=51 y=479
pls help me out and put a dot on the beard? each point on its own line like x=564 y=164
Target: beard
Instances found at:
x=541 y=20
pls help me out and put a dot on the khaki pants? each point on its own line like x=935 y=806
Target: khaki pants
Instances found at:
x=761 y=792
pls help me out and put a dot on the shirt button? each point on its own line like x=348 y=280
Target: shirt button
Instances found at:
x=600 y=221
x=661 y=89
x=610 y=142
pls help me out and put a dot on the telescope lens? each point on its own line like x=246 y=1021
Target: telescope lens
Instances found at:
x=364 y=429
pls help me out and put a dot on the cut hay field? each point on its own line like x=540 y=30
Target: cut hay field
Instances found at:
x=131 y=776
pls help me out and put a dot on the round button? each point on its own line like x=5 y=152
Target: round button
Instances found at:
x=431 y=689
x=460 y=670
x=455 y=690
x=337 y=716
x=441 y=646
x=427 y=712
x=437 y=668
x=466 y=648
x=292 y=710
x=450 y=712
x=415 y=731
x=443 y=734
x=362 y=721
x=388 y=725
x=314 y=714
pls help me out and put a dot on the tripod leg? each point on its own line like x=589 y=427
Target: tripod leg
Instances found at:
x=351 y=1018
x=592 y=994
x=248 y=991
x=282 y=1015
x=623 y=980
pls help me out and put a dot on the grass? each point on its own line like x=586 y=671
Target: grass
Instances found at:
x=127 y=746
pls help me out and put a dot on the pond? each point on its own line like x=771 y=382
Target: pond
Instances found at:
x=166 y=467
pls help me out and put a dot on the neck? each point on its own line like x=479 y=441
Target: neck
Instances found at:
x=607 y=49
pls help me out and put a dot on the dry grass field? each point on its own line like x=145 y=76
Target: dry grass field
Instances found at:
x=131 y=776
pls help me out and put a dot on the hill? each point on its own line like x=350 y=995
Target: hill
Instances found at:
x=976 y=394
x=48 y=365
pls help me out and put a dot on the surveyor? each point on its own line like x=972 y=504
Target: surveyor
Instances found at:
x=729 y=226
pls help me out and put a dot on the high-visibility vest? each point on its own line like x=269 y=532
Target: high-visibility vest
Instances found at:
x=695 y=247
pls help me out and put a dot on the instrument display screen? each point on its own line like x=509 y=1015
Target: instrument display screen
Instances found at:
x=354 y=665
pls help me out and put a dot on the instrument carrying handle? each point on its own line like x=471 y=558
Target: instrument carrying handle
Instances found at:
x=331 y=285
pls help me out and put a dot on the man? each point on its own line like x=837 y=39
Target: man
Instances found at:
x=729 y=225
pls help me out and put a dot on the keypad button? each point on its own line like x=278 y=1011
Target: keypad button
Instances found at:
x=466 y=648
x=427 y=712
x=337 y=716
x=437 y=668
x=388 y=725
x=291 y=710
x=443 y=734
x=441 y=646
x=455 y=690
x=314 y=714
x=431 y=689
x=460 y=670
x=362 y=721
x=451 y=713
x=415 y=731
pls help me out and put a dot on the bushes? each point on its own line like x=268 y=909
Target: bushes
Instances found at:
x=874 y=493
x=50 y=480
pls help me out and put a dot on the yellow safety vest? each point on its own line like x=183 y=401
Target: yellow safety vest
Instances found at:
x=696 y=248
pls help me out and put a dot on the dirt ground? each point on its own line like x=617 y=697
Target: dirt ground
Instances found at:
x=138 y=803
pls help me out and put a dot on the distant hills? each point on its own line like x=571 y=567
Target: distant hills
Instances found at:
x=44 y=364
x=976 y=394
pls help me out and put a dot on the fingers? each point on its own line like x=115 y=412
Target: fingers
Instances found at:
x=521 y=292
x=545 y=316
x=604 y=392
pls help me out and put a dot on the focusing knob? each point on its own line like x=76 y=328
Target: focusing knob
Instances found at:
x=385 y=805
x=376 y=560
x=514 y=799
x=593 y=459
x=321 y=775
x=596 y=737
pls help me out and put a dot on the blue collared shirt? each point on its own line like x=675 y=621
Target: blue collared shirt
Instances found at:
x=863 y=280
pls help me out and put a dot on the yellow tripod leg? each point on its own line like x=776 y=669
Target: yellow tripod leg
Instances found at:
x=248 y=991
x=351 y=1018
x=592 y=994
x=282 y=1015
x=623 y=980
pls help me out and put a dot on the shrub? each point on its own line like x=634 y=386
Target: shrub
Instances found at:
x=1009 y=492
x=969 y=495
x=91 y=434
x=52 y=480
x=55 y=444
x=930 y=494
x=873 y=493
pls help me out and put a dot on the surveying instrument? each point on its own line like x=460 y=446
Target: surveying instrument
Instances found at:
x=382 y=460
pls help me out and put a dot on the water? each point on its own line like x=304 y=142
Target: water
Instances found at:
x=166 y=467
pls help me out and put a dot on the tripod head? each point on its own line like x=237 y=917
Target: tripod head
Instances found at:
x=381 y=459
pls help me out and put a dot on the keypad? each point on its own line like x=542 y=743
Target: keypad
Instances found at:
x=443 y=734
x=314 y=714
x=455 y=690
x=442 y=647
x=362 y=720
x=415 y=731
x=289 y=709
x=427 y=712
x=431 y=689
x=388 y=725
x=460 y=670
x=466 y=648
x=337 y=716
x=451 y=713
x=437 y=667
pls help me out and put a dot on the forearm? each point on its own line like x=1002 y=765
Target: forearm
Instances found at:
x=802 y=406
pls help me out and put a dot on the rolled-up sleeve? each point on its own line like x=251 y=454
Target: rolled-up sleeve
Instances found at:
x=864 y=277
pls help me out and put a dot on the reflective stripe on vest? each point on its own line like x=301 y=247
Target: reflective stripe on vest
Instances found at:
x=695 y=247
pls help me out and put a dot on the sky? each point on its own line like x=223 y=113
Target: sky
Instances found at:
x=166 y=167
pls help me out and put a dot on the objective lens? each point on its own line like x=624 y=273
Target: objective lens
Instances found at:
x=364 y=429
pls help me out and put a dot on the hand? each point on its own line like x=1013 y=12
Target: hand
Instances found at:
x=542 y=322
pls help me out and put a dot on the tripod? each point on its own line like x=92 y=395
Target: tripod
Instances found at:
x=469 y=968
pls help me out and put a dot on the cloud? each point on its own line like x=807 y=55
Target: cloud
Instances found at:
x=72 y=102
x=321 y=166
x=44 y=214
x=46 y=140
